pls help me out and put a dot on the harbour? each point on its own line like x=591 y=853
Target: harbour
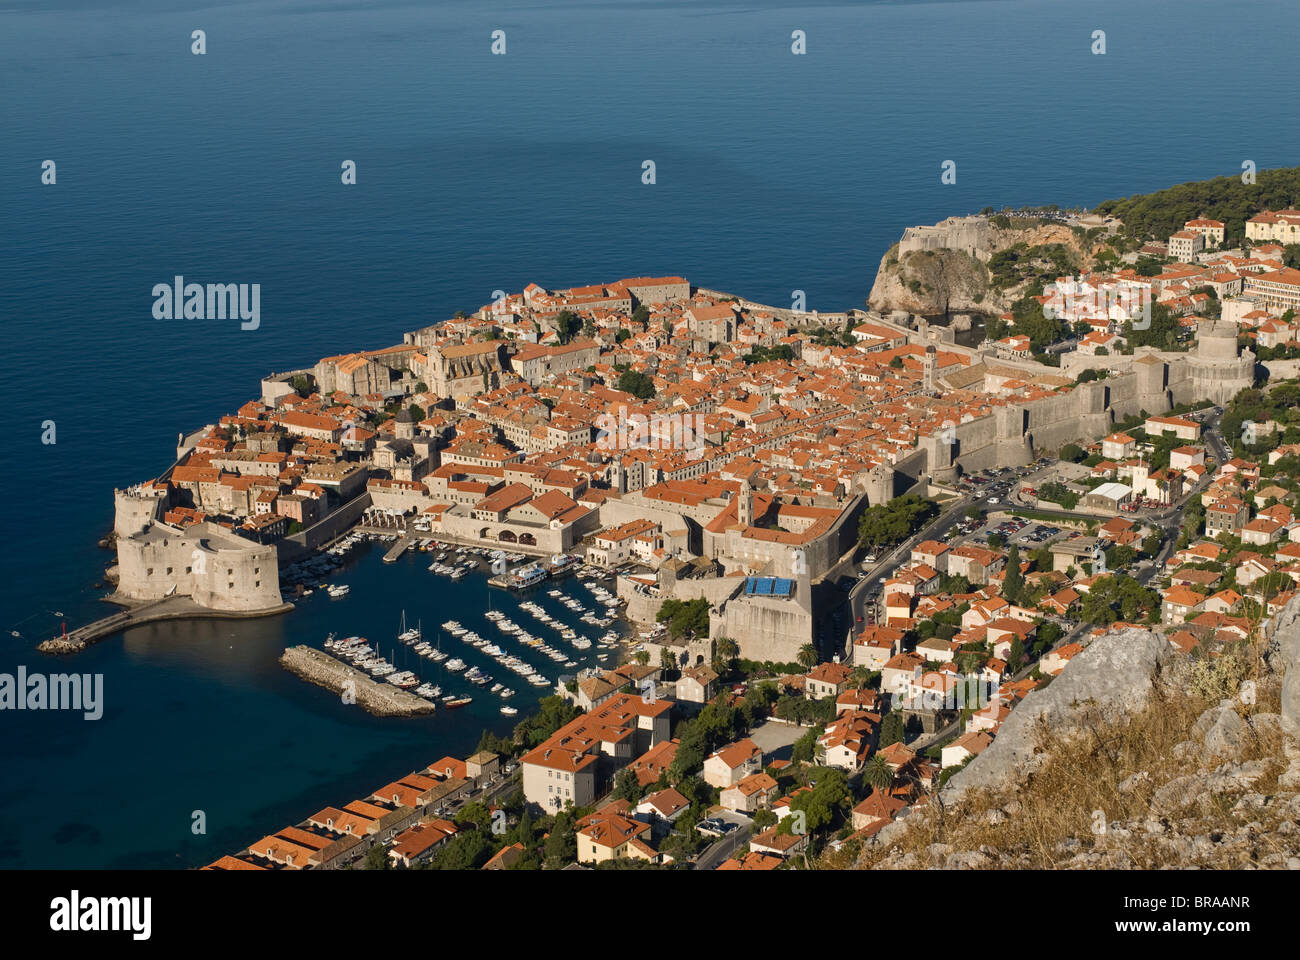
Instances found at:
x=543 y=644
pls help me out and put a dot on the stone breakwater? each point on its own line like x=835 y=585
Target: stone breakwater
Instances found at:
x=139 y=614
x=379 y=699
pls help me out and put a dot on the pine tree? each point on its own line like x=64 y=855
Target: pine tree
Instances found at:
x=1014 y=584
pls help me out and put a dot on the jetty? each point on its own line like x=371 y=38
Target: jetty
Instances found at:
x=375 y=697
x=153 y=611
x=397 y=549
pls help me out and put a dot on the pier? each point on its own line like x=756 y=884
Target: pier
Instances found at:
x=399 y=548
x=375 y=697
x=167 y=608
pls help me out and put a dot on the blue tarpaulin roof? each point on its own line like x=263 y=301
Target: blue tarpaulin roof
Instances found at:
x=768 y=586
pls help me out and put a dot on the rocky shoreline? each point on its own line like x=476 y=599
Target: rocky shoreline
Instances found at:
x=378 y=699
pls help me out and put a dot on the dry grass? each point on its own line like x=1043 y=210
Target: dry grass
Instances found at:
x=1072 y=804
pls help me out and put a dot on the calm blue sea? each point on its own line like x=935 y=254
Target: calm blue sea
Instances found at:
x=476 y=172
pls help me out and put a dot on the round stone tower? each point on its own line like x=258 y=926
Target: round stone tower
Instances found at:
x=1216 y=340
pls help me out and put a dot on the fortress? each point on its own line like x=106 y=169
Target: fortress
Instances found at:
x=1148 y=380
x=214 y=567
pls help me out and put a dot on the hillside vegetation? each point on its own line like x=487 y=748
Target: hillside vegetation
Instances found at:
x=1224 y=198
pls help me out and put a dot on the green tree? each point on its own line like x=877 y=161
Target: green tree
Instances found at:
x=878 y=773
x=804 y=748
x=566 y=325
x=636 y=383
x=685 y=617
x=377 y=858
x=1013 y=585
x=474 y=813
x=892 y=729
x=1016 y=656
x=822 y=802
x=887 y=524
x=808 y=656
x=725 y=650
x=562 y=844
x=626 y=786
x=690 y=755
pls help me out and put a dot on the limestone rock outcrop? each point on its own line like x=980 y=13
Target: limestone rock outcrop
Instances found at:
x=1114 y=673
x=941 y=268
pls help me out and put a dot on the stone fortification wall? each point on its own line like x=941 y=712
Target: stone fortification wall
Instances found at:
x=133 y=511
x=968 y=234
x=765 y=628
x=213 y=567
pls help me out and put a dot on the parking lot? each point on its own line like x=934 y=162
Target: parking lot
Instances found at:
x=1028 y=534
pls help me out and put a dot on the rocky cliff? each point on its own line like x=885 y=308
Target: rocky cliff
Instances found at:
x=942 y=268
x=1134 y=757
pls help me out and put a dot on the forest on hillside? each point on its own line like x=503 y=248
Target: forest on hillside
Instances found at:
x=1224 y=198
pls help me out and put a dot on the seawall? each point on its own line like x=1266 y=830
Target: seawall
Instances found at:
x=379 y=699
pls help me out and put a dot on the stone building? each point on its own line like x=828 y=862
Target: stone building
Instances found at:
x=206 y=562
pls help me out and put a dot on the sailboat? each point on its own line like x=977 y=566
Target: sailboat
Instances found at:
x=407 y=636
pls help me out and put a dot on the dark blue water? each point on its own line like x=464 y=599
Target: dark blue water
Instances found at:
x=476 y=172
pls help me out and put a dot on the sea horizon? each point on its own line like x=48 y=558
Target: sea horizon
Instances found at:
x=775 y=174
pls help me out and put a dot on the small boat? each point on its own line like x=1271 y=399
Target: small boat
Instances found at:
x=454 y=704
x=455 y=665
x=338 y=589
x=509 y=711
x=507 y=693
x=405 y=635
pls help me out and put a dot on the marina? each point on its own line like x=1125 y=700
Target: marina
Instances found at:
x=544 y=639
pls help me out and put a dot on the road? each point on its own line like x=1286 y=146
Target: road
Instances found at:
x=1167 y=523
x=935 y=530
x=726 y=847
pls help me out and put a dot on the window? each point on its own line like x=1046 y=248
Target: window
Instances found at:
x=258 y=583
x=187 y=569
x=149 y=572
x=169 y=570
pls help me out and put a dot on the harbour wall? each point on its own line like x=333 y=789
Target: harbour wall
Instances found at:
x=379 y=699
